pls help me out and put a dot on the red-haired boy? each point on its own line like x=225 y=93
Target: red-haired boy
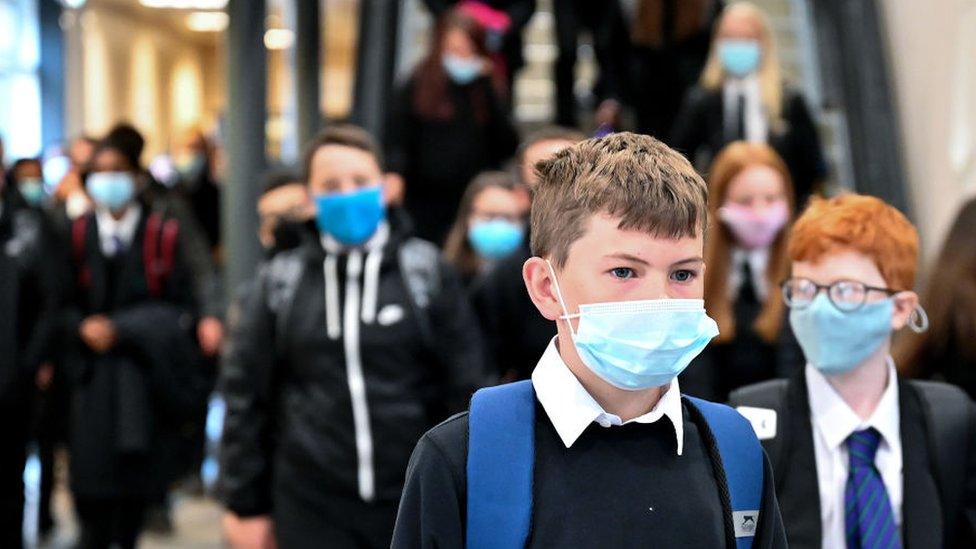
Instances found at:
x=862 y=458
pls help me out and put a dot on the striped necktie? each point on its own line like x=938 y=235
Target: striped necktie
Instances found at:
x=869 y=519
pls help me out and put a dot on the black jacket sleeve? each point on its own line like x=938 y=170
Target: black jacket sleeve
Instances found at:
x=458 y=341
x=689 y=132
x=432 y=507
x=247 y=385
x=771 y=532
x=966 y=534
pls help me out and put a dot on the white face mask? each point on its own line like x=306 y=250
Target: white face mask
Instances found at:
x=636 y=345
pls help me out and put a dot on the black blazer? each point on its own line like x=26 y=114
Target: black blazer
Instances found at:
x=938 y=430
x=699 y=133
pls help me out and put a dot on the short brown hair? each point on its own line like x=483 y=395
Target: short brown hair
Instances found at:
x=863 y=224
x=636 y=178
x=345 y=135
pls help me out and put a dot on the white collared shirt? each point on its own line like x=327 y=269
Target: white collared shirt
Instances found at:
x=834 y=421
x=571 y=409
x=758 y=261
x=756 y=130
x=110 y=229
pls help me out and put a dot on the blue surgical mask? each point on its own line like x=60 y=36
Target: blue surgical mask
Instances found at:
x=32 y=189
x=462 y=70
x=351 y=218
x=637 y=345
x=495 y=239
x=739 y=57
x=834 y=341
x=111 y=190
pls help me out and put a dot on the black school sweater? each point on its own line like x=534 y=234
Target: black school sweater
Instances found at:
x=619 y=487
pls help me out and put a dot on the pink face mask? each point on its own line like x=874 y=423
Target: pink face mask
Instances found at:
x=754 y=229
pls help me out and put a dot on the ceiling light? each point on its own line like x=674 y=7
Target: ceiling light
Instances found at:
x=279 y=39
x=207 y=21
x=185 y=4
x=73 y=4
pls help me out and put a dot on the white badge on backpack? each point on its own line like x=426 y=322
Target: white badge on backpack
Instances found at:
x=763 y=421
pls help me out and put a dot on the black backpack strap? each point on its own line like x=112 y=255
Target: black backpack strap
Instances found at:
x=420 y=263
x=948 y=415
x=771 y=395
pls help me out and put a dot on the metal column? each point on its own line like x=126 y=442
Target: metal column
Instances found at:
x=246 y=116
x=308 y=41
x=376 y=63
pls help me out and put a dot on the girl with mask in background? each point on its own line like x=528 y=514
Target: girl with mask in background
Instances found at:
x=448 y=124
x=741 y=96
x=490 y=224
x=27 y=176
x=750 y=203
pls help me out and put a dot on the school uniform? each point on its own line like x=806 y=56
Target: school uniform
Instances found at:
x=597 y=482
x=921 y=448
x=711 y=119
x=127 y=403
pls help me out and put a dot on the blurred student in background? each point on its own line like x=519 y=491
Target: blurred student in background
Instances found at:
x=448 y=124
x=285 y=213
x=515 y=335
x=947 y=351
x=129 y=349
x=491 y=224
x=194 y=162
x=751 y=202
x=346 y=351
x=26 y=176
x=741 y=96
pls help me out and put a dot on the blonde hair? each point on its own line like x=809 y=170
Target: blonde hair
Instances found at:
x=770 y=80
x=636 y=178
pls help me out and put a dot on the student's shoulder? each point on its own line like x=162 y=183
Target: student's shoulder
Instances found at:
x=767 y=394
x=942 y=399
x=447 y=442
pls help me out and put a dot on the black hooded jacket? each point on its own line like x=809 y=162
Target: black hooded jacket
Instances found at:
x=339 y=360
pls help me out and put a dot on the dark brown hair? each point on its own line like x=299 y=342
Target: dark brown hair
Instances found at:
x=345 y=135
x=431 y=86
x=950 y=301
x=457 y=249
x=636 y=178
x=731 y=161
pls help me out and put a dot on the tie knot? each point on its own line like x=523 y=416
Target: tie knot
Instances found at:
x=863 y=445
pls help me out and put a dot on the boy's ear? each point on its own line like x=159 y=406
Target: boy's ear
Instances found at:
x=542 y=291
x=905 y=303
x=393 y=188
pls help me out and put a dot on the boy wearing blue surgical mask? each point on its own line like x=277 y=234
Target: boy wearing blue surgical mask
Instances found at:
x=126 y=327
x=349 y=348
x=863 y=458
x=600 y=449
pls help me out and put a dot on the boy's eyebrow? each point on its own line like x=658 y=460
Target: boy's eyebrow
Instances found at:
x=627 y=257
x=689 y=260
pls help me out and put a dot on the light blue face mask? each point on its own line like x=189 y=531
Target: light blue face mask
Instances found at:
x=739 y=57
x=460 y=69
x=351 y=218
x=111 y=190
x=637 y=345
x=32 y=189
x=495 y=239
x=835 y=342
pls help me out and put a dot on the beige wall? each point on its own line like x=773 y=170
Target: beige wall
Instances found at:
x=933 y=46
x=144 y=73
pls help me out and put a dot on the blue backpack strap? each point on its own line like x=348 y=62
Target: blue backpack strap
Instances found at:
x=501 y=457
x=742 y=460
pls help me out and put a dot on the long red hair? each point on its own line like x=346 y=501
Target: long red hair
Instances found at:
x=431 y=84
x=732 y=161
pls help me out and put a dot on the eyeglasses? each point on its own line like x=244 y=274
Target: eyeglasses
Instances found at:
x=846 y=295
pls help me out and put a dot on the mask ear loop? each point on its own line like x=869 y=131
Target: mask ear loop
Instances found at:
x=562 y=303
x=918 y=322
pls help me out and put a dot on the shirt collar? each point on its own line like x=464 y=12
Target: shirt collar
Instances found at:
x=571 y=409
x=124 y=228
x=836 y=420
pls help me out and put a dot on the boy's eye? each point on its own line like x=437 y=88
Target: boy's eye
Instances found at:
x=684 y=275
x=622 y=273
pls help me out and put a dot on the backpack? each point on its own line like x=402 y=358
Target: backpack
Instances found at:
x=501 y=456
x=158 y=251
x=419 y=263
